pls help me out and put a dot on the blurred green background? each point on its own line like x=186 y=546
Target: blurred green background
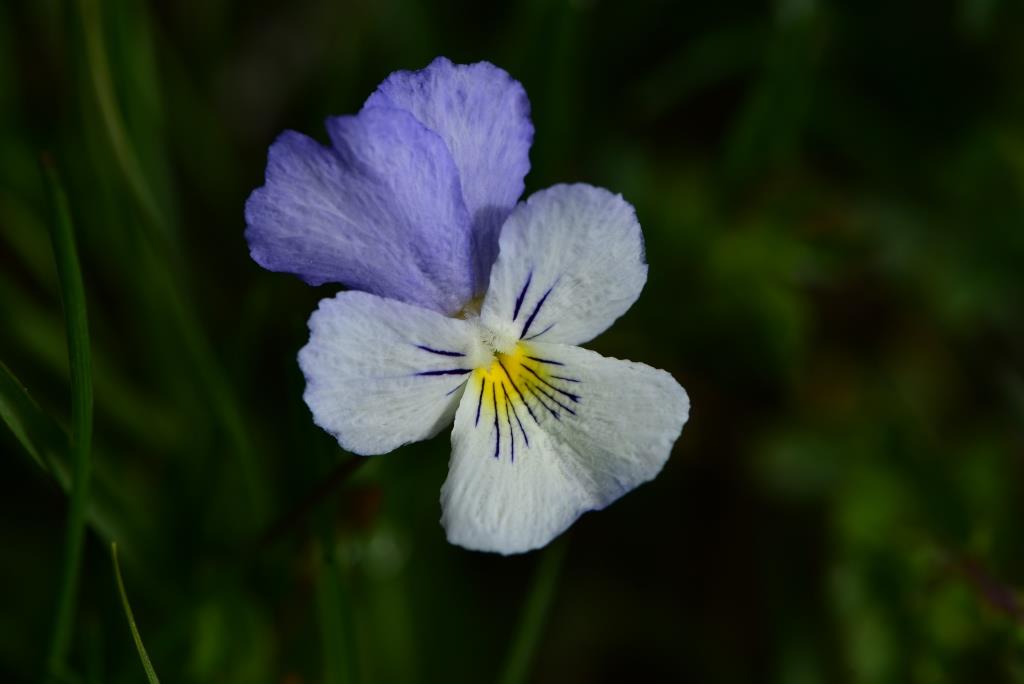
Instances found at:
x=833 y=199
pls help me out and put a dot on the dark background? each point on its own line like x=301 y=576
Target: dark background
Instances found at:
x=832 y=199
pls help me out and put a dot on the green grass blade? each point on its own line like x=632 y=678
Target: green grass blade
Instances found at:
x=48 y=444
x=147 y=665
x=103 y=86
x=80 y=366
x=167 y=271
x=531 y=622
x=23 y=417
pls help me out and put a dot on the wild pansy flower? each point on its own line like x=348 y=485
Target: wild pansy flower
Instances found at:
x=465 y=304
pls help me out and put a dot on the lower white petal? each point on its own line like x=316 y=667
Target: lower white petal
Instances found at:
x=548 y=433
x=381 y=373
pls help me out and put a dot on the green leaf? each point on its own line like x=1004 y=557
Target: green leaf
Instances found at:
x=41 y=438
x=147 y=665
x=80 y=366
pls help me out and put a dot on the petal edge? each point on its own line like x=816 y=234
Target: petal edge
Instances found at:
x=483 y=115
x=571 y=261
x=582 y=452
x=380 y=212
x=381 y=373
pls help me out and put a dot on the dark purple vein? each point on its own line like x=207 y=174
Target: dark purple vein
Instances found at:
x=511 y=404
x=536 y=335
x=570 y=395
x=541 y=402
x=547 y=361
x=518 y=391
x=497 y=430
x=536 y=310
x=447 y=371
x=480 y=401
x=522 y=295
x=456 y=388
x=541 y=390
x=511 y=430
x=439 y=352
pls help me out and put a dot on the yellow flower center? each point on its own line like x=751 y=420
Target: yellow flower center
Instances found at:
x=520 y=385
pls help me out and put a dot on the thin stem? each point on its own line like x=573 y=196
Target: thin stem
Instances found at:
x=147 y=665
x=534 y=617
x=298 y=513
x=334 y=600
x=999 y=596
x=80 y=366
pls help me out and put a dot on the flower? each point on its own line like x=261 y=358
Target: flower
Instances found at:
x=464 y=304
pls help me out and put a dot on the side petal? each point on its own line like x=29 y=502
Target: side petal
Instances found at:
x=561 y=431
x=571 y=261
x=380 y=373
x=483 y=115
x=381 y=211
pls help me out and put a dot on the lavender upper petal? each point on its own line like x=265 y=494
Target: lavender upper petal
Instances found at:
x=483 y=115
x=381 y=211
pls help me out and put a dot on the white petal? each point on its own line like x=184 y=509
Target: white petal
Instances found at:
x=381 y=373
x=552 y=433
x=570 y=261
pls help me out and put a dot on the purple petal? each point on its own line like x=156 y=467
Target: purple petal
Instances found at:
x=381 y=211
x=483 y=115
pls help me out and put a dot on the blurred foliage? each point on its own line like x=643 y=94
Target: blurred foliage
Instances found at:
x=833 y=199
